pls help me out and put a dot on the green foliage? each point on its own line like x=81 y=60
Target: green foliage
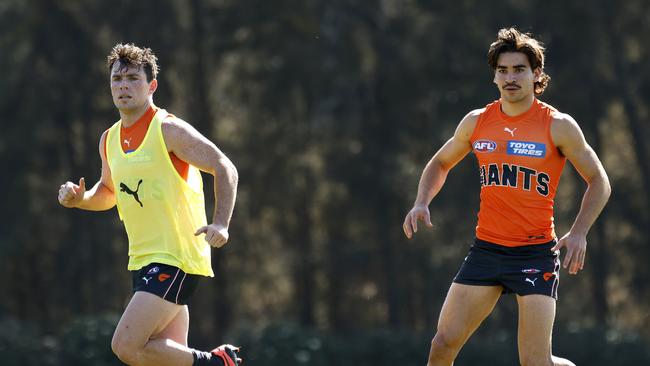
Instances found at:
x=87 y=341
x=84 y=341
x=601 y=346
x=22 y=344
x=290 y=345
x=329 y=109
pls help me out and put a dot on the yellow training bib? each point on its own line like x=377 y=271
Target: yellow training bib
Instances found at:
x=160 y=210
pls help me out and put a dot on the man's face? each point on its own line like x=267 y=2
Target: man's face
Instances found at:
x=129 y=87
x=514 y=77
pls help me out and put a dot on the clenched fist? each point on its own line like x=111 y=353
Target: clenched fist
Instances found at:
x=71 y=195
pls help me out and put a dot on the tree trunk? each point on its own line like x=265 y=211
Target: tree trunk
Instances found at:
x=202 y=121
x=599 y=257
x=305 y=270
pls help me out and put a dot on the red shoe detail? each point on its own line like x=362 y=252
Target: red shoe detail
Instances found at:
x=228 y=353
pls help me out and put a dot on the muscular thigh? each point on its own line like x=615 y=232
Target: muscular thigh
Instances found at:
x=464 y=309
x=536 y=317
x=146 y=315
x=177 y=329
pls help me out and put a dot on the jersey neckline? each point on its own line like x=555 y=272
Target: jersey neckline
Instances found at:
x=518 y=117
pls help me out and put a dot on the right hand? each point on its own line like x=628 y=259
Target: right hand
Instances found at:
x=71 y=195
x=215 y=235
x=418 y=212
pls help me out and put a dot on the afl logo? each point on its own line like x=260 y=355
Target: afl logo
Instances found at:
x=484 y=146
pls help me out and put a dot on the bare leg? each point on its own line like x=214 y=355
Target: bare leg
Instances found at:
x=178 y=328
x=536 y=317
x=464 y=310
x=136 y=340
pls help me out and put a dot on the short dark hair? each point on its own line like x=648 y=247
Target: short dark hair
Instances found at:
x=512 y=40
x=132 y=55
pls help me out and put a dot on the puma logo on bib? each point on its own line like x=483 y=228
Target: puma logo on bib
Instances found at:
x=127 y=190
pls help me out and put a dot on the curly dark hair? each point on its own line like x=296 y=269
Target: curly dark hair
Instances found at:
x=512 y=40
x=132 y=55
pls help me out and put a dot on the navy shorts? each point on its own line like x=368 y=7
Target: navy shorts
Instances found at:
x=167 y=282
x=525 y=270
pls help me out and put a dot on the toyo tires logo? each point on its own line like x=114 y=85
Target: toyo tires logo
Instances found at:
x=527 y=148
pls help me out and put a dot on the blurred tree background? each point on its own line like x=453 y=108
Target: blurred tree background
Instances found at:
x=330 y=110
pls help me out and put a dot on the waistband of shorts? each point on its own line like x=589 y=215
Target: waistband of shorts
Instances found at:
x=524 y=248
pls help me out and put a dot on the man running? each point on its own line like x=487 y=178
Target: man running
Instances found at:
x=153 y=159
x=521 y=145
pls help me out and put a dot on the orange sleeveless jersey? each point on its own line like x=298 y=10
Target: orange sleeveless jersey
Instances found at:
x=520 y=169
x=131 y=137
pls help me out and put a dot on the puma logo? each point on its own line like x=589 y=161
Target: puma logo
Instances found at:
x=531 y=281
x=127 y=142
x=126 y=189
x=512 y=132
x=146 y=280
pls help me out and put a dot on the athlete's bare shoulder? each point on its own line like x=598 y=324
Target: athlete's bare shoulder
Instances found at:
x=172 y=123
x=103 y=136
x=559 y=117
x=467 y=125
x=475 y=114
x=562 y=123
x=102 y=144
x=177 y=132
x=190 y=145
x=565 y=131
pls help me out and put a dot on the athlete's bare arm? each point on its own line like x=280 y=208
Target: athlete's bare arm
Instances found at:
x=190 y=146
x=568 y=137
x=434 y=174
x=99 y=198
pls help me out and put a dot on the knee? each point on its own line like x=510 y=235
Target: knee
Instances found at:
x=444 y=346
x=124 y=349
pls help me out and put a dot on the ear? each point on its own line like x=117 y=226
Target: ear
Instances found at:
x=538 y=73
x=153 y=86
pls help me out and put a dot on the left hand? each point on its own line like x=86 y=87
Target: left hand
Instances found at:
x=215 y=235
x=576 y=249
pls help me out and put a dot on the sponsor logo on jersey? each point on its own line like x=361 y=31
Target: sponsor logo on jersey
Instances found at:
x=506 y=129
x=484 y=146
x=526 y=148
x=129 y=191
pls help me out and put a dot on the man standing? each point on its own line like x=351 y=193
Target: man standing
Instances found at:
x=521 y=145
x=150 y=169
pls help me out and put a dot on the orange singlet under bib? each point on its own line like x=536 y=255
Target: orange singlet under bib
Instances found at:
x=520 y=169
x=131 y=137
